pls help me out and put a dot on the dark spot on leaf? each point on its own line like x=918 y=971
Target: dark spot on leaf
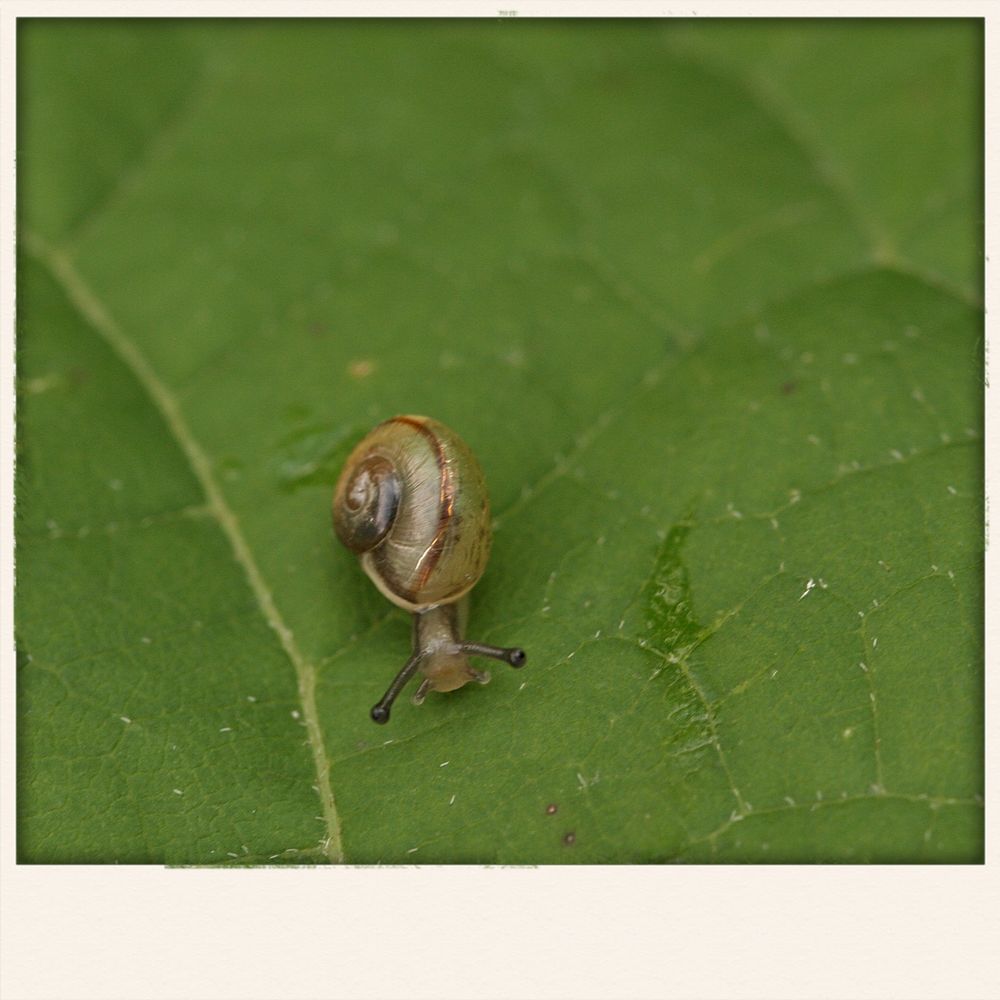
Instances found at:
x=297 y=411
x=569 y=839
x=787 y=388
x=670 y=625
x=615 y=79
x=551 y=809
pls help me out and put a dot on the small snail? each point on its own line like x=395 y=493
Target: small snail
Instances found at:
x=411 y=503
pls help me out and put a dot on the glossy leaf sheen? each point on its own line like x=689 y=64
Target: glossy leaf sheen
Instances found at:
x=703 y=302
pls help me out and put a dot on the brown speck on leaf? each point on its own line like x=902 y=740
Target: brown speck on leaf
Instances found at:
x=360 y=368
x=570 y=839
x=551 y=809
x=787 y=388
x=615 y=79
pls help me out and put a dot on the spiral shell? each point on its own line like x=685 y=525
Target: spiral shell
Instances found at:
x=412 y=503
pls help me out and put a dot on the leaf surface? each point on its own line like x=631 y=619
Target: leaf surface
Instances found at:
x=712 y=328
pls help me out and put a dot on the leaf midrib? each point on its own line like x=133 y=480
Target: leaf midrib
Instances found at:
x=98 y=318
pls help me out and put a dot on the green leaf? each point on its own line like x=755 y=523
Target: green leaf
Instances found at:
x=704 y=298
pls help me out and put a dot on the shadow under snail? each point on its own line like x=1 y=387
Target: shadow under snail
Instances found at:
x=411 y=503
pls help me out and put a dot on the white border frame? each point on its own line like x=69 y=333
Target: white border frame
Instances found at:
x=557 y=932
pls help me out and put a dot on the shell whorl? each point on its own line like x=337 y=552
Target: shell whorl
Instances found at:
x=411 y=502
x=368 y=507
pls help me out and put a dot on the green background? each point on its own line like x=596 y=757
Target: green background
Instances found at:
x=704 y=298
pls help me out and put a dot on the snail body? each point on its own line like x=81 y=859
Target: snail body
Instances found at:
x=411 y=503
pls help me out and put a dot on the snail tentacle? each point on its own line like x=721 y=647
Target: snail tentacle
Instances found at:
x=380 y=712
x=513 y=655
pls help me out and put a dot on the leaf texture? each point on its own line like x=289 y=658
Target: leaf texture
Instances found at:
x=706 y=305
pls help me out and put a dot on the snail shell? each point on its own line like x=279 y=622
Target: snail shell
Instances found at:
x=411 y=502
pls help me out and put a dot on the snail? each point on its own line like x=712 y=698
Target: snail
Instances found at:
x=411 y=503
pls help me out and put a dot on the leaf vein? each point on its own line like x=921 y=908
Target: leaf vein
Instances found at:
x=95 y=314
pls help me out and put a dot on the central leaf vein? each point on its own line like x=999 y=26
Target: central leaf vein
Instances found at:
x=93 y=311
